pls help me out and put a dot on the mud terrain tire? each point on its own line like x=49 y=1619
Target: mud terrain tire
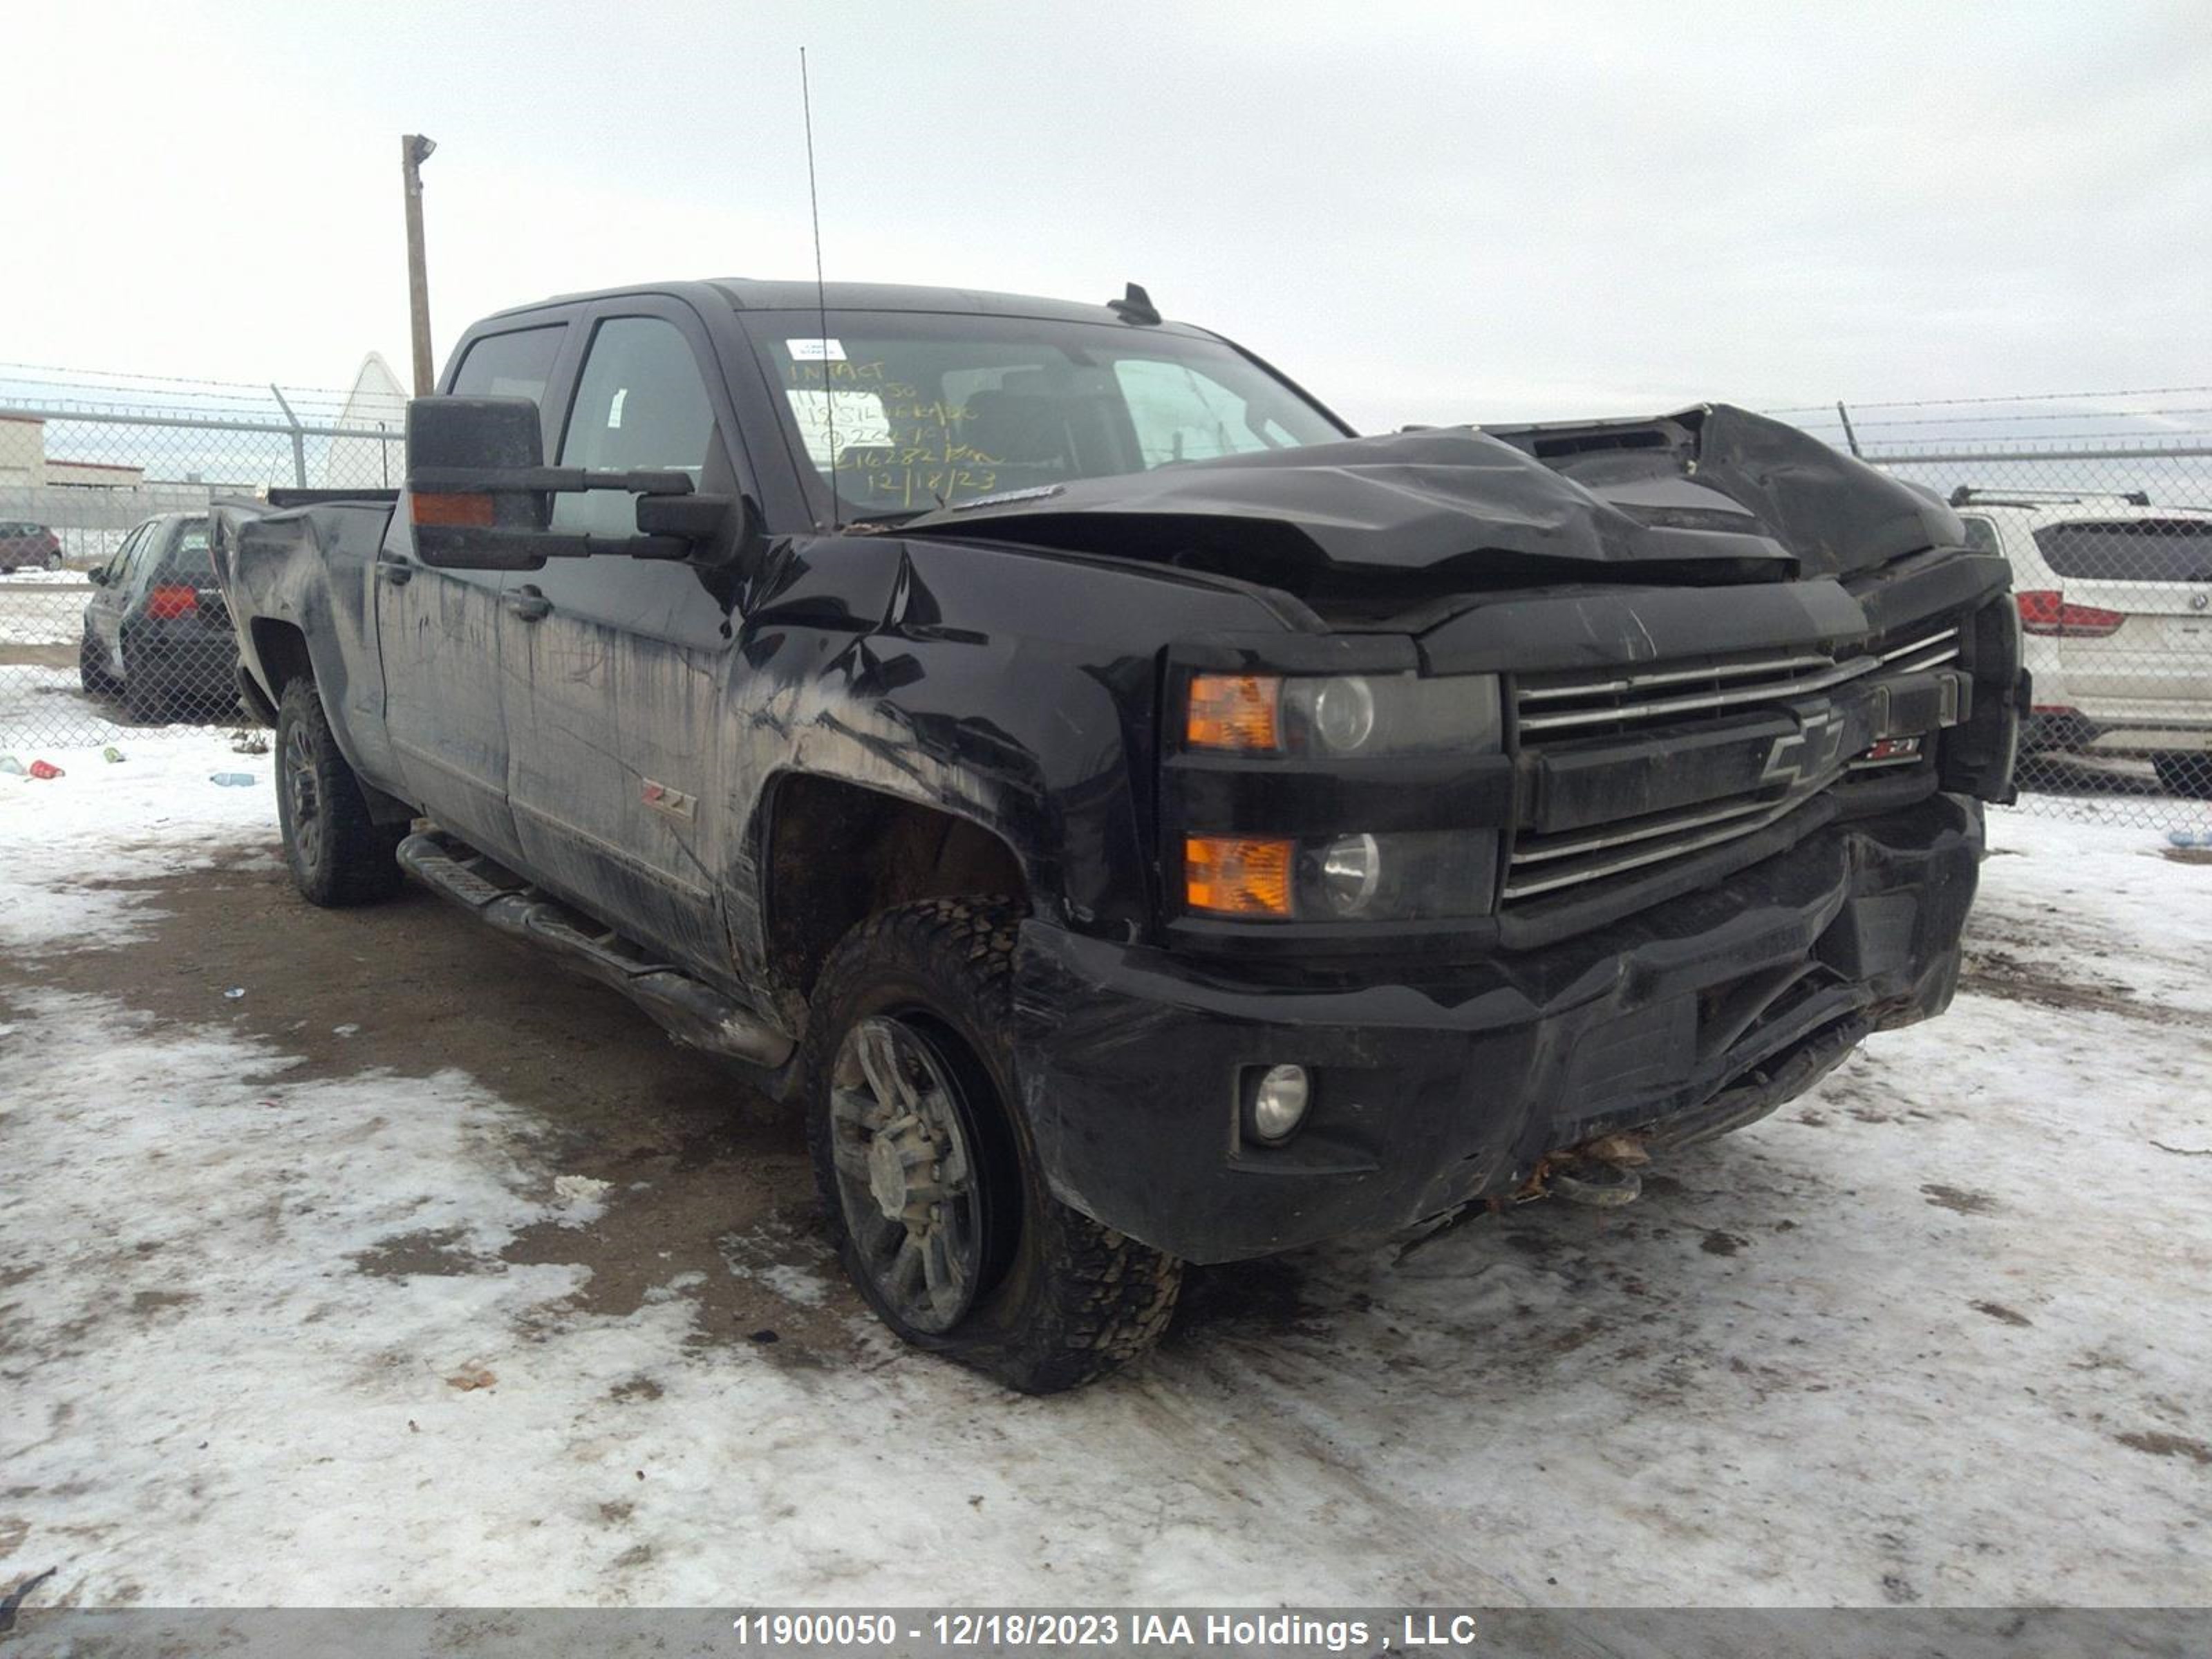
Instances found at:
x=1061 y=1300
x=339 y=855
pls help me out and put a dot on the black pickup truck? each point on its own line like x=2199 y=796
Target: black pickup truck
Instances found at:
x=1144 y=820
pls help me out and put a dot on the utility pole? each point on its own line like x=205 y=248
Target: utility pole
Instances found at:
x=414 y=150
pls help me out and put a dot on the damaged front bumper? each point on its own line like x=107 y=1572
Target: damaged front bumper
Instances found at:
x=1688 y=1019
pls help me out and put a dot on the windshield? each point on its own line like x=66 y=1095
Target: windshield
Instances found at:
x=918 y=410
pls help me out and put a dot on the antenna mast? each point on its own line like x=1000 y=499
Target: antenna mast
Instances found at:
x=821 y=295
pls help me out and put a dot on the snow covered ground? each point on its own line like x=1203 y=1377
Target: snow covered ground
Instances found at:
x=1937 y=1334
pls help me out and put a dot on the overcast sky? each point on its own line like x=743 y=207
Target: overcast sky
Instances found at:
x=1454 y=213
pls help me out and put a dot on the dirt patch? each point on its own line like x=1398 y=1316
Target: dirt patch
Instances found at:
x=2189 y=854
x=1263 y=1298
x=2002 y=1315
x=147 y=1304
x=38 y=656
x=435 y=1253
x=692 y=1155
x=2001 y=974
x=2159 y=1443
x=1720 y=1243
x=1961 y=1199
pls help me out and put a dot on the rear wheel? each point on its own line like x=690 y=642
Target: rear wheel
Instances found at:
x=92 y=667
x=53 y=561
x=931 y=1186
x=2184 y=774
x=144 y=698
x=338 y=854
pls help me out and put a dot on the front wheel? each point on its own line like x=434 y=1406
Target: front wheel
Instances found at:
x=339 y=854
x=2185 y=775
x=53 y=561
x=929 y=1180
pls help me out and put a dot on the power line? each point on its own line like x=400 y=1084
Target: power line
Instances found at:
x=80 y=374
x=2014 y=397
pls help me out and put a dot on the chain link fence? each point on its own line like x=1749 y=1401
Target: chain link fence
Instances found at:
x=111 y=622
x=2102 y=505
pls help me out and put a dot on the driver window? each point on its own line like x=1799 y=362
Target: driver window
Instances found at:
x=640 y=405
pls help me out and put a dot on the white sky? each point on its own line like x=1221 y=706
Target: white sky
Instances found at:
x=1447 y=212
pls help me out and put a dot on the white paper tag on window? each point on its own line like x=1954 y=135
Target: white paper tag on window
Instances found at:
x=816 y=351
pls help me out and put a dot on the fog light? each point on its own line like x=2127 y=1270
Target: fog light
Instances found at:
x=1279 y=1103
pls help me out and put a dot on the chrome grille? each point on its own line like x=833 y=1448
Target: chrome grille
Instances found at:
x=1665 y=701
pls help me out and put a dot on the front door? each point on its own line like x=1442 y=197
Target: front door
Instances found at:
x=438 y=636
x=614 y=667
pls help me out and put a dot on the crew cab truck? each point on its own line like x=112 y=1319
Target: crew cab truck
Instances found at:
x=1146 y=823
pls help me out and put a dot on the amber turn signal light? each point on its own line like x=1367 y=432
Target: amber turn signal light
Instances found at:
x=471 y=510
x=1230 y=876
x=1234 y=711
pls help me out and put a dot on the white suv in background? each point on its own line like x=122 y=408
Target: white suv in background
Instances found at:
x=2115 y=602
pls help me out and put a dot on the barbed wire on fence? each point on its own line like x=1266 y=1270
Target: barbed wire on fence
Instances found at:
x=105 y=479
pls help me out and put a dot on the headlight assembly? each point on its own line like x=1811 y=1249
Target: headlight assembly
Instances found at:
x=1427 y=875
x=1341 y=716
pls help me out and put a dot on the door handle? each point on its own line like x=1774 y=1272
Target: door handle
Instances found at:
x=527 y=603
x=394 y=573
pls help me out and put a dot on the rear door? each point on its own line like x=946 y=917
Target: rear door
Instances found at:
x=103 y=613
x=614 y=666
x=2151 y=655
x=438 y=631
x=128 y=586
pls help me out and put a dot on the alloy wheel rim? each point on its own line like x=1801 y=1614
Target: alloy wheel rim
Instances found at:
x=906 y=1172
x=303 y=798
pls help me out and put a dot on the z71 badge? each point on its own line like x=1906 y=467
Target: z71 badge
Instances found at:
x=674 y=802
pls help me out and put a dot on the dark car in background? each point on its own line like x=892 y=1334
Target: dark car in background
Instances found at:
x=156 y=629
x=28 y=546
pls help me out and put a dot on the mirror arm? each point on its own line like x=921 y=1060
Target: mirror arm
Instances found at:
x=543 y=480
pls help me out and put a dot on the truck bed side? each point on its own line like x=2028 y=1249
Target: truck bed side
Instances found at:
x=300 y=583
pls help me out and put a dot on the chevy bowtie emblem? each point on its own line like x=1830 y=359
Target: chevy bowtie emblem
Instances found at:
x=1808 y=752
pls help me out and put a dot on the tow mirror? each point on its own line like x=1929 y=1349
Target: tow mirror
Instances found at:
x=480 y=496
x=473 y=491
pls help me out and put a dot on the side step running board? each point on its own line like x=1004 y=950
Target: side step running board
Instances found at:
x=693 y=1012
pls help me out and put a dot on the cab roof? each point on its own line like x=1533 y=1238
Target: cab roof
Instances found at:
x=748 y=294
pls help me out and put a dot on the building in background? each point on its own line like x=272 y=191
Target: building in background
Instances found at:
x=22 y=450
x=24 y=464
x=376 y=403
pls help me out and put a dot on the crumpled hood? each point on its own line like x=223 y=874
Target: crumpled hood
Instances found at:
x=1712 y=494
